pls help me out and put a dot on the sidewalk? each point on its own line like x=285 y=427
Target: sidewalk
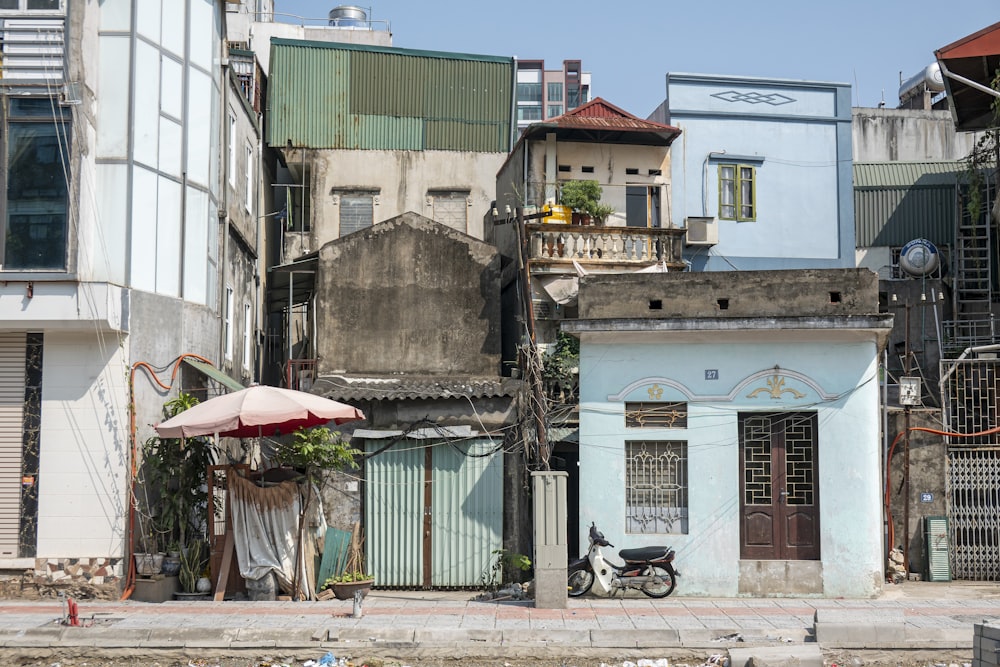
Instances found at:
x=913 y=619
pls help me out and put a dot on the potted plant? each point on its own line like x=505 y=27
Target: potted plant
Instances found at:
x=173 y=502
x=353 y=578
x=193 y=561
x=584 y=197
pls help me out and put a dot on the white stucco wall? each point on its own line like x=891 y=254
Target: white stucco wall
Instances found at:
x=83 y=487
x=837 y=380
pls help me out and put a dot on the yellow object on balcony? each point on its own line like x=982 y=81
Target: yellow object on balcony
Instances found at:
x=562 y=215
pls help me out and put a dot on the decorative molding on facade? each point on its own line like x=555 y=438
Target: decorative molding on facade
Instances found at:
x=774 y=379
x=774 y=99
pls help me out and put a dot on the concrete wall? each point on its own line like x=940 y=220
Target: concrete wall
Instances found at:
x=747 y=294
x=798 y=136
x=403 y=181
x=907 y=135
x=928 y=474
x=408 y=295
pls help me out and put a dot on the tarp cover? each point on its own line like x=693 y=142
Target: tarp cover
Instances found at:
x=265 y=532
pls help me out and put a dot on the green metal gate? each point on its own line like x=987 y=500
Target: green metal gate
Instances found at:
x=433 y=512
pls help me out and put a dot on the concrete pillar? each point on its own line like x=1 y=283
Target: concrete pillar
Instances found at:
x=549 y=492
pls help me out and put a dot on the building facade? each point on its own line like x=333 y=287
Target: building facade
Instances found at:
x=762 y=176
x=737 y=422
x=114 y=265
x=543 y=94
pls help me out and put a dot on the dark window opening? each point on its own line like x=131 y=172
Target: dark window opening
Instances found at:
x=723 y=304
x=587 y=170
x=631 y=171
x=655 y=172
x=655 y=304
x=835 y=297
x=565 y=167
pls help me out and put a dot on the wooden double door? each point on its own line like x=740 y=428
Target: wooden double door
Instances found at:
x=779 y=481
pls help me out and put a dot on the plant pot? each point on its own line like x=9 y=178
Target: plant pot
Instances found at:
x=346 y=590
x=146 y=565
x=171 y=566
x=181 y=595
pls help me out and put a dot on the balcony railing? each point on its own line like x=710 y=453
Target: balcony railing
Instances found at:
x=558 y=243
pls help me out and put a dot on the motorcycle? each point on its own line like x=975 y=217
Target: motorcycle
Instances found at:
x=650 y=569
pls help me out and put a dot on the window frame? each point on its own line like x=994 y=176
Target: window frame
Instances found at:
x=371 y=195
x=228 y=325
x=22 y=8
x=232 y=148
x=9 y=120
x=247 y=328
x=674 y=517
x=248 y=198
x=736 y=186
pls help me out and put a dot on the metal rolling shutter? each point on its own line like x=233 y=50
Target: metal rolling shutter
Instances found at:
x=12 y=351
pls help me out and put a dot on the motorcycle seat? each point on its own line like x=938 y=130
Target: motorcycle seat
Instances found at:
x=643 y=553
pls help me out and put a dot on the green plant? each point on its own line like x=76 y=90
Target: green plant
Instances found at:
x=585 y=197
x=315 y=450
x=984 y=156
x=560 y=365
x=601 y=212
x=174 y=475
x=193 y=560
x=580 y=195
x=504 y=566
x=347 y=578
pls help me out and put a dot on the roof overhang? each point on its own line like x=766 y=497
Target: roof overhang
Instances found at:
x=969 y=67
x=292 y=283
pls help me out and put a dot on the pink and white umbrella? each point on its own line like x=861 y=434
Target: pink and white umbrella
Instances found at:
x=257 y=411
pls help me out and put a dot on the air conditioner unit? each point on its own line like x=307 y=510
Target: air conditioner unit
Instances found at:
x=701 y=231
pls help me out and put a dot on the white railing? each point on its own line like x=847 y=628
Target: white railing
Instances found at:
x=621 y=245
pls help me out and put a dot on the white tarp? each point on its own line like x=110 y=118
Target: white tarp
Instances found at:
x=266 y=533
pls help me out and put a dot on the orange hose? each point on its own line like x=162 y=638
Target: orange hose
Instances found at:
x=134 y=458
x=888 y=462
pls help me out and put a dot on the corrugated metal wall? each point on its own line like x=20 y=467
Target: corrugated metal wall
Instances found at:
x=394 y=513
x=324 y=95
x=12 y=364
x=896 y=202
x=466 y=512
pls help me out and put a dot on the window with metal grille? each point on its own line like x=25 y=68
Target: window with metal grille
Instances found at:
x=357 y=211
x=656 y=489
x=656 y=415
x=451 y=208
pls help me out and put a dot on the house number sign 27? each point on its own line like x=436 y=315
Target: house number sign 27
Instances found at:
x=711 y=373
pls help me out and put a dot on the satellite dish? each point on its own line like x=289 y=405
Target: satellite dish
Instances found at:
x=919 y=257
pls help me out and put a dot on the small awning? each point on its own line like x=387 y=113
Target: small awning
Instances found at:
x=214 y=373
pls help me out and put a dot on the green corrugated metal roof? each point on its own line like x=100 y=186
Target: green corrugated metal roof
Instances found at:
x=349 y=96
x=906 y=174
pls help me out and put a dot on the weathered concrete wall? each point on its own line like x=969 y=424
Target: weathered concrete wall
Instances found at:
x=907 y=135
x=409 y=295
x=803 y=293
x=401 y=180
x=928 y=474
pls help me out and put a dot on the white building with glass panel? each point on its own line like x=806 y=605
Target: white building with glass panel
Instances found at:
x=117 y=217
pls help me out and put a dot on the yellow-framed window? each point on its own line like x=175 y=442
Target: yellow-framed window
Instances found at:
x=737 y=192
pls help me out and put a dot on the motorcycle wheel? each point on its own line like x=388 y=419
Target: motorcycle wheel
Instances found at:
x=579 y=582
x=663 y=588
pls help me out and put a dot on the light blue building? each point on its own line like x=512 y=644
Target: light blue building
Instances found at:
x=761 y=174
x=737 y=421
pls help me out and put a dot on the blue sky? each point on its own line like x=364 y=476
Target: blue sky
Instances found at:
x=630 y=46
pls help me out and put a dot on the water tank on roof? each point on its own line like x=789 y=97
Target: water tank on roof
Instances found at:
x=348 y=16
x=929 y=78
